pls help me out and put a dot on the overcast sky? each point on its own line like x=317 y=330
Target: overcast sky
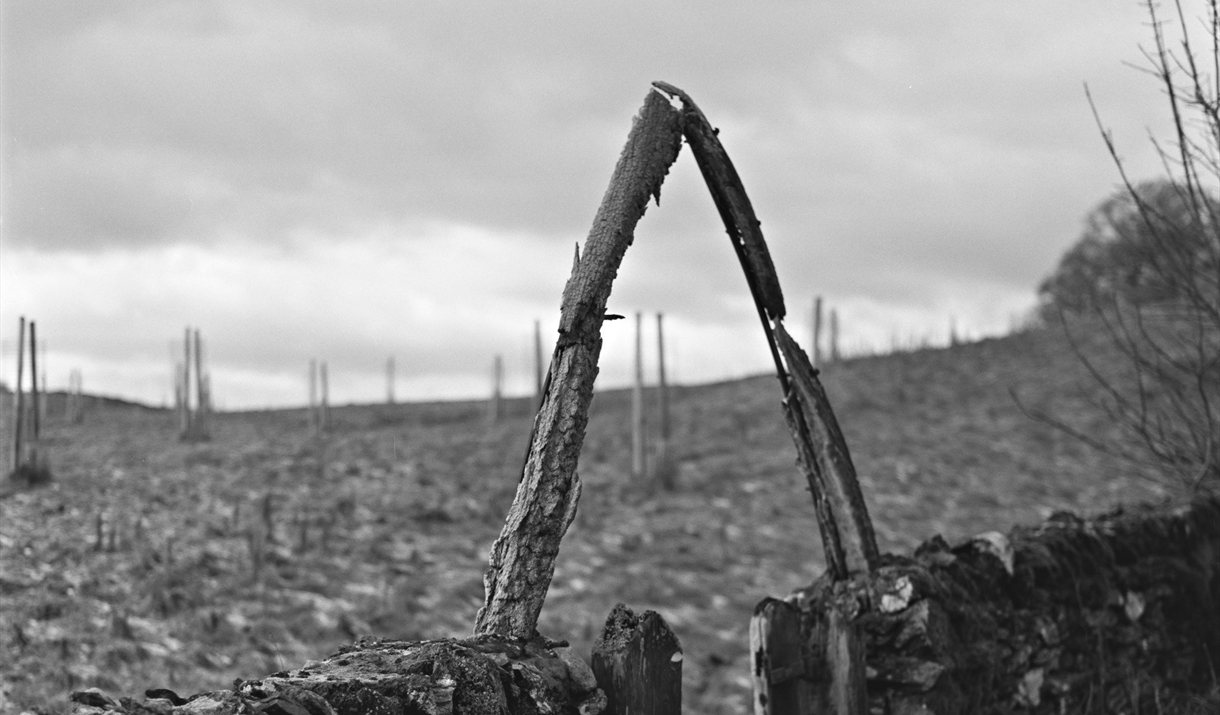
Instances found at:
x=352 y=181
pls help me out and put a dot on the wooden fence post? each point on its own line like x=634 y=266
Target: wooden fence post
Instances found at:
x=834 y=335
x=185 y=415
x=637 y=661
x=843 y=646
x=662 y=468
x=816 y=352
x=25 y=459
x=806 y=663
x=324 y=412
x=46 y=394
x=177 y=379
x=780 y=661
x=638 y=466
x=315 y=424
x=19 y=401
x=199 y=423
x=72 y=400
x=539 y=371
x=193 y=413
x=389 y=380
x=35 y=422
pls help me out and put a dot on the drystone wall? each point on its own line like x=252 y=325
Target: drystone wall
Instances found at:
x=1113 y=614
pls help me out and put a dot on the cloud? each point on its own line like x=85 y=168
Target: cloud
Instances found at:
x=317 y=176
x=257 y=119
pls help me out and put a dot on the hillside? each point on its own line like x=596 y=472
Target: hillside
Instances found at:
x=152 y=563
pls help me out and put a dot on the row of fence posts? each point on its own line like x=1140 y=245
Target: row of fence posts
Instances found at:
x=193 y=391
x=495 y=405
x=648 y=461
x=27 y=417
x=193 y=399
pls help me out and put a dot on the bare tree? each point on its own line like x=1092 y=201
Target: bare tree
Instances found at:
x=1147 y=272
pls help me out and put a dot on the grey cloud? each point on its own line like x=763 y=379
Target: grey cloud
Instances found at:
x=375 y=111
x=136 y=123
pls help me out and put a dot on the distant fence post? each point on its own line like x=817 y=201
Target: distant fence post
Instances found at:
x=25 y=460
x=324 y=412
x=315 y=425
x=73 y=402
x=199 y=422
x=538 y=369
x=637 y=661
x=816 y=347
x=389 y=380
x=637 y=406
x=35 y=419
x=177 y=378
x=662 y=469
x=193 y=417
x=834 y=335
x=494 y=404
x=185 y=376
x=19 y=401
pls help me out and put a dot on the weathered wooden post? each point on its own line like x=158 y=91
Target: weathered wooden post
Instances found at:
x=816 y=346
x=18 y=399
x=637 y=660
x=638 y=467
x=952 y=331
x=782 y=660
